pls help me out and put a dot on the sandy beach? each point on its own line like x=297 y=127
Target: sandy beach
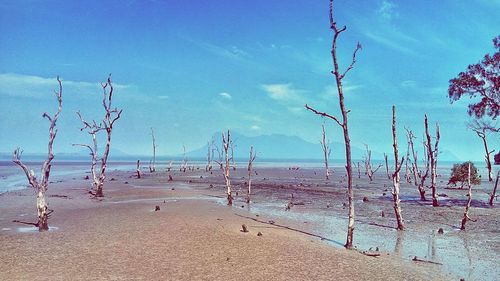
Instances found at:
x=195 y=236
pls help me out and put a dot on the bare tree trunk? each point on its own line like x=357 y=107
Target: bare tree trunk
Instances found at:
x=138 y=169
x=338 y=78
x=152 y=162
x=368 y=164
x=492 y=197
x=433 y=154
x=481 y=127
x=418 y=175
x=250 y=165
x=387 y=166
x=110 y=117
x=325 y=145
x=42 y=185
x=395 y=176
x=467 y=206
x=359 y=171
x=226 y=142
x=210 y=155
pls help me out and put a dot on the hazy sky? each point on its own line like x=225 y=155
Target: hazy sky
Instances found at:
x=192 y=68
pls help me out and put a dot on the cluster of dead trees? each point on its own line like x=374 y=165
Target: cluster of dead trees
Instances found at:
x=98 y=164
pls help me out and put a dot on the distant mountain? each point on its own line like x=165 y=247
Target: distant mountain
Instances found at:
x=278 y=146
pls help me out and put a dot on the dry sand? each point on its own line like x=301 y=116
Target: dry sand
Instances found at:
x=193 y=237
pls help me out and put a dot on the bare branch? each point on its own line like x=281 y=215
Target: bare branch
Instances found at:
x=358 y=47
x=324 y=114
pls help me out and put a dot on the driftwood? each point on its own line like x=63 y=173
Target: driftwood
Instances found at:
x=415 y=258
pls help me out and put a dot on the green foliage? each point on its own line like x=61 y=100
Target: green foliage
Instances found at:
x=460 y=172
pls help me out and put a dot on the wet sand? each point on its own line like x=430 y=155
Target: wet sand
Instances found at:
x=195 y=236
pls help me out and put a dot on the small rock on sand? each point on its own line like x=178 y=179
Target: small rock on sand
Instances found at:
x=259 y=233
x=244 y=228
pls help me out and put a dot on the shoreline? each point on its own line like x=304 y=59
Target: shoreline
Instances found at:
x=190 y=208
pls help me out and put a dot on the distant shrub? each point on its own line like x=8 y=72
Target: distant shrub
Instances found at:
x=459 y=174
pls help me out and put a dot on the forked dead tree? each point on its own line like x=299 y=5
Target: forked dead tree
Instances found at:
x=42 y=185
x=368 y=164
x=395 y=176
x=152 y=162
x=419 y=175
x=253 y=154
x=226 y=144
x=92 y=128
x=481 y=128
x=469 y=199
x=432 y=152
x=407 y=167
x=493 y=193
x=325 y=145
x=343 y=124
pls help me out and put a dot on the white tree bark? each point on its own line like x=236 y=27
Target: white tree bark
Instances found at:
x=395 y=175
x=252 y=157
x=226 y=143
x=433 y=155
x=152 y=162
x=42 y=185
x=325 y=145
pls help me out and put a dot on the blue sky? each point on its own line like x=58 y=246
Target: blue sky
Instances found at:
x=192 y=68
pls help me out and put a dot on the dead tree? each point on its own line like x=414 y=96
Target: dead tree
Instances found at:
x=152 y=162
x=493 y=193
x=344 y=125
x=226 y=144
x=325 y=145
x=419 y=175
x=219 y=160
x=407 y=168
x=432 y=152
x=387 y=166
x=253 y=154
x=481 y=128
x=359 y=170
x=184 y=160
x=233 y=163
x=395 y=175
x=467 y=205
x=138 y=169
x=42 y=185
x=368 y=164
x=210 y=154
x=106 y=124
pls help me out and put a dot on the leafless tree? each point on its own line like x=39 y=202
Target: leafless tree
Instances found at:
x=325 y=145
x=395 y=176
x=226 y=144
x=232 y=147
x=184 y=160
x=469 y=199
x=152 y=162
x=432 y=152
x=359 y=170
x=493 y=193
x=368 y=164
x=338 y=79
x=482 y=128
x=42 y=185
x=253 y=154
x=407 y=168
x=92 y=128
x=169 y=168
x=210 y=154
x=219 y=159
x=419 y=175
x=387 y=166
x=138 y=169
